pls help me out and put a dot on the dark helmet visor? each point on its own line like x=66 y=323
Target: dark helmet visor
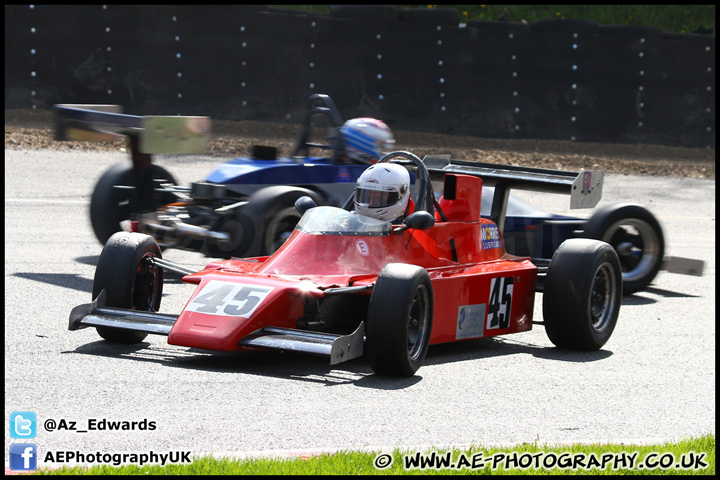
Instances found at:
x=376 y=198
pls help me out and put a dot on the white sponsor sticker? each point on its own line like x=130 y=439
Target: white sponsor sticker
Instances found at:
x=470 y=321
x=362 y=248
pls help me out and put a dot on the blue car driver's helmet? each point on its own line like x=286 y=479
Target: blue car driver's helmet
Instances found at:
x=366 y=139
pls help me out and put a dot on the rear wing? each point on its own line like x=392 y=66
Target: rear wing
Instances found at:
x=148 y=134
x=584 y=188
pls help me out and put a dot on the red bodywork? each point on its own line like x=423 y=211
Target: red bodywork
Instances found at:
x=479 y=290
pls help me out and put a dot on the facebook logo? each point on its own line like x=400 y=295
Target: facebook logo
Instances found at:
x=23 y=425
x=23 y=456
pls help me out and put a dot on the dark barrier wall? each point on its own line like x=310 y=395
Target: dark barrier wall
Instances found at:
x=417 y=70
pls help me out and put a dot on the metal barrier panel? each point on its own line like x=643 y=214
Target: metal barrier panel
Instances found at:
x=415 y=69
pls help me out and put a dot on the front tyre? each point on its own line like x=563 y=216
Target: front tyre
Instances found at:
x=399 y=320
x=109 y=206
x=129 y=279
x=582 y=294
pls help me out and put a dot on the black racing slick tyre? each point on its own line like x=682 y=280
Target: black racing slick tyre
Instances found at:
x=109 y=205
x=399 y=320
x=636 y=236
x=582 y=294
x=241 y=229
x=279 y=227
x=130 y=281
x=273 y=212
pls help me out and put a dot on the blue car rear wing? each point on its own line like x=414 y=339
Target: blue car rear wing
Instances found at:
x=584 y=188
x=149 y=134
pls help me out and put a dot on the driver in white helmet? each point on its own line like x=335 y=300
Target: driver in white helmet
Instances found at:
x=383 y=192
x=366 y=139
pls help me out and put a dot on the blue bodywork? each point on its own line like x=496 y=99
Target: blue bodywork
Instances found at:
x=285 y=171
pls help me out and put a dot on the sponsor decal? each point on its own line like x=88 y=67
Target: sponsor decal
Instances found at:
x=362 y=247
x=343 y=175
x=470 y=321
x=587 y=182
x=490 y=237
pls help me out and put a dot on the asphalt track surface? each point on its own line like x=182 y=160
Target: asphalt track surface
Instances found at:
x=653 y=381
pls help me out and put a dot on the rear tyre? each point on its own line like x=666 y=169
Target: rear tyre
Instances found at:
x=241 y=229
x=582 y=294
x=273 y=212
x=636 y=236
x=129 y=280
x=399 y=320
x=109 y=205
x=279 y=227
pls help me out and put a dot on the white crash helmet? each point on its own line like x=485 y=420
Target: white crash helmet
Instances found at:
x=366 y=139
x=383 y=191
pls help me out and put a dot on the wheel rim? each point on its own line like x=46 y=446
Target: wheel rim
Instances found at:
x=603 y=297
x=637 y=246
x=418 y=320
x=146 y=286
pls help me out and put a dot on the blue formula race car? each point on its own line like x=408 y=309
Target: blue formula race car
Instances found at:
x=245 y=207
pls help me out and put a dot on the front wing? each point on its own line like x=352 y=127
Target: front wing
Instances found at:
x=340 y=348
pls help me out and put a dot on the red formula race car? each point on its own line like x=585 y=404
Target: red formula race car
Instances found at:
x=345 y=285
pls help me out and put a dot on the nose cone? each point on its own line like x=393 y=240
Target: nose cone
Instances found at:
x=226 y=308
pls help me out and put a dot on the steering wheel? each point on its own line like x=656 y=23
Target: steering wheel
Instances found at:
x=425 y=193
